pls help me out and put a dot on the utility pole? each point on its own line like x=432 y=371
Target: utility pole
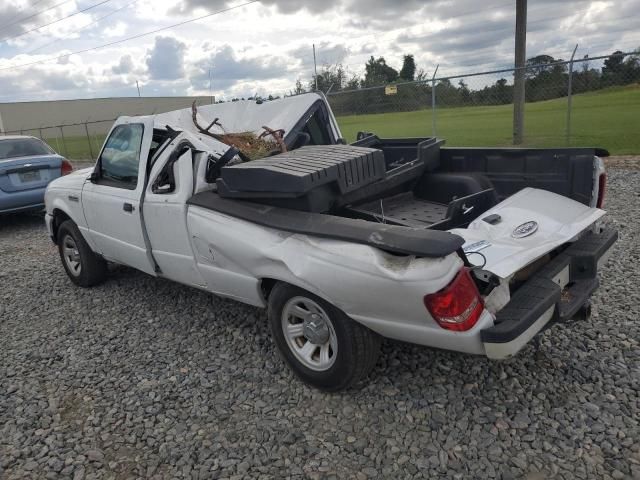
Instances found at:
x=315 y=66
x=138 y=87
x=519 y=80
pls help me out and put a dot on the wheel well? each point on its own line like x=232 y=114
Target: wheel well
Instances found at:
x=58 y=218
x=266 y=286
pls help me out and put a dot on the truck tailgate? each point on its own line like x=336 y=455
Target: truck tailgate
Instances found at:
x=523 y=228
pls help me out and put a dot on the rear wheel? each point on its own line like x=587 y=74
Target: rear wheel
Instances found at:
x=82 y=265
x=322 y=345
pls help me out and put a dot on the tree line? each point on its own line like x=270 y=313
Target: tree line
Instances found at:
x=546 y=78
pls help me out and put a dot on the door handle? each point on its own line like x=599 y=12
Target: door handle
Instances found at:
x=127 y=207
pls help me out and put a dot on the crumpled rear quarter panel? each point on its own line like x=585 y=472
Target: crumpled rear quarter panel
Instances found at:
x=383 y=291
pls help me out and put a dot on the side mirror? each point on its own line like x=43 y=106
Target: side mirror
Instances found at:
x=94 y=177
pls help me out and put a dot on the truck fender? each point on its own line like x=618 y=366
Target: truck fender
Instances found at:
x=69 y=209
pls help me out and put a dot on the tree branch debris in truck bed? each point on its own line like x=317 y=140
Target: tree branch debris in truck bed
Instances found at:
x=251 y=146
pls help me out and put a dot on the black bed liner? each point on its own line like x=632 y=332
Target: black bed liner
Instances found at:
x=391 y=238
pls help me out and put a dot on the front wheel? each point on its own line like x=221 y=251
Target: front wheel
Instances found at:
x=322 y=345
x=82 y=265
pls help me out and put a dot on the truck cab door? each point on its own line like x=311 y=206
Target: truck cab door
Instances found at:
x=171 y=184
x=111 y=199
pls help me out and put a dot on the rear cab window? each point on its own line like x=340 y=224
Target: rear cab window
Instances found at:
x=120 y=159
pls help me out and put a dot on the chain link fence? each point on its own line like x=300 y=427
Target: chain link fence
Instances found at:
x=586 y=102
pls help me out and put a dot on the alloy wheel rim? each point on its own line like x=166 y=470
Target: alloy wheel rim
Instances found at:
x=71 y=255
x=309 y=333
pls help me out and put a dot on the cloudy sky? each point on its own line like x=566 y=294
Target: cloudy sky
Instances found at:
x=265 y=46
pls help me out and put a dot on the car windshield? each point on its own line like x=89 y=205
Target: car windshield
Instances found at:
x=23 y=147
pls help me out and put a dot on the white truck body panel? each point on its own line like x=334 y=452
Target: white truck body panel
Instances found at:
x=379 y=290
x=559 y=220
x=168 y=213
x=65 y=195
x=116 y=233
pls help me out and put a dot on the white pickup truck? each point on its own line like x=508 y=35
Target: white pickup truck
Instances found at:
x=465 y=249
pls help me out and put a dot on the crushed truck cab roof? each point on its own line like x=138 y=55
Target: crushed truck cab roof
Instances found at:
x=288 y=114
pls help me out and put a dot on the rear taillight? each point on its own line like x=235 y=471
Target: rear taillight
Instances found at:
x=602 y=189
x=66 y=167
x=458 y=306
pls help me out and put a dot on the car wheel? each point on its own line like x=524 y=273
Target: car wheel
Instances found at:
x=321 y=344
x=84 y=267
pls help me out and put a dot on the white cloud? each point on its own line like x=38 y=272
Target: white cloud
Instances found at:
x=116 y=30
x=165 y=60
x=266 y=46
x=124 y=66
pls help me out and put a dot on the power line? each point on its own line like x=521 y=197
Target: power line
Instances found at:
x=35 y=14
x=95 y=22
x=54 y=22
x=123 y=40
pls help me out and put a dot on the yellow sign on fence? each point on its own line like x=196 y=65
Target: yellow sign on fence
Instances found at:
x=391 y=90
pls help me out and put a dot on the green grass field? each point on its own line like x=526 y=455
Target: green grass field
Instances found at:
x=77 y=148
x=608 y=118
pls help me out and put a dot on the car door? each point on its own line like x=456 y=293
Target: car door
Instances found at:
x=165 y=215
x=111 y=200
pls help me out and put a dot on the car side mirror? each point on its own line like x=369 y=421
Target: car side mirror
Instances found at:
x=94 y=177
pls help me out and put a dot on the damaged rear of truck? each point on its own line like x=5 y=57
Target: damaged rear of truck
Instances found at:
x=466 y=249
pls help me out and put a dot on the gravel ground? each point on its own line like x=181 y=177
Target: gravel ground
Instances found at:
x=145 y=378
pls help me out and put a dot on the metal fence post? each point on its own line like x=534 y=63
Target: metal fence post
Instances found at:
x=86 y=129
x=569 y=98
x=58 y=150
x=98 y=144
x=433 y=103
x=64 y=144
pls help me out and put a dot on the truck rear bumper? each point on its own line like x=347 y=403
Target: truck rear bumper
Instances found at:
x=555 y=293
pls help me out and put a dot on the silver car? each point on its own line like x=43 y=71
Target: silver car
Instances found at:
x=27 y=165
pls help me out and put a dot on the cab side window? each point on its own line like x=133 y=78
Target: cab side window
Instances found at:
x=120 y=158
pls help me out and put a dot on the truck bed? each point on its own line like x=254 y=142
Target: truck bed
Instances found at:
x=404 y=209
x=413 y=183
x=396 y=239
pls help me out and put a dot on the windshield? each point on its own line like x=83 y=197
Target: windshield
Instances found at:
x=23 y=147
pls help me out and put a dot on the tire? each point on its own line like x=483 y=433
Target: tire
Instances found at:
x=327 y=350
x=83 y=267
